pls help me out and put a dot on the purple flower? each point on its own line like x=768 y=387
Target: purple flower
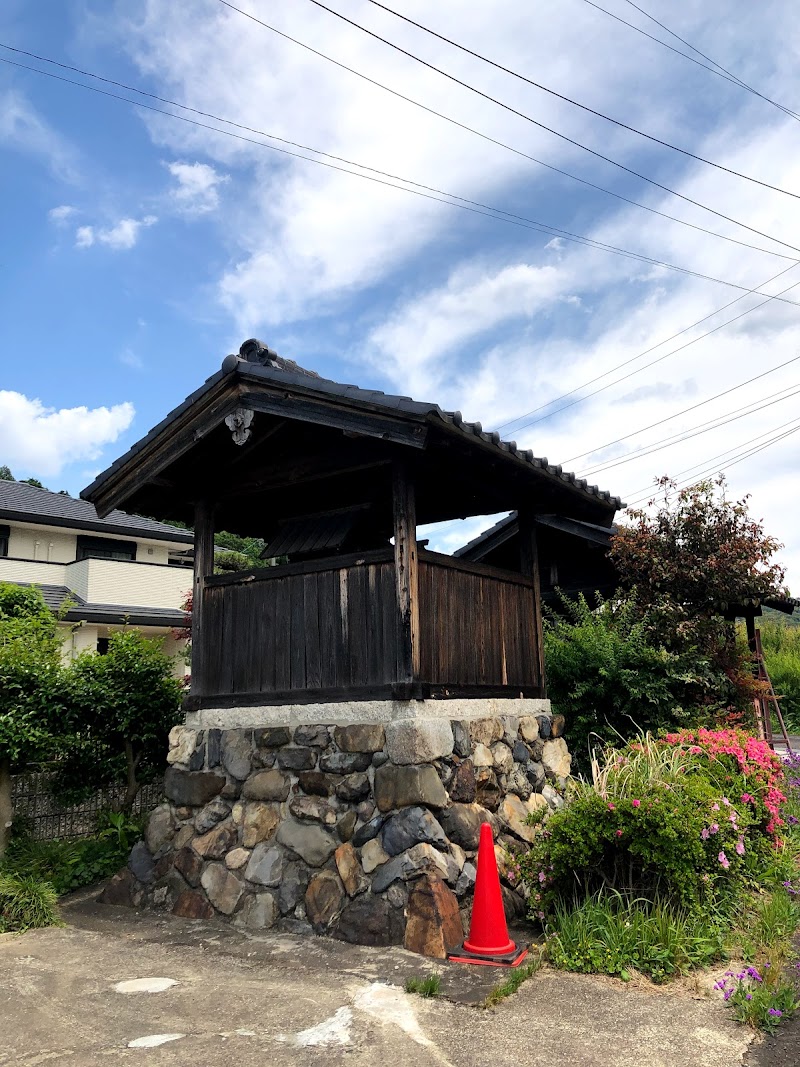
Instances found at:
x=704 y=833
x=753 y=973
x=748 y=996
x=776 y=1013
x=713 y=828
x=724 y=861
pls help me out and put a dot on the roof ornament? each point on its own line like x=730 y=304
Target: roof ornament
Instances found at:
x=239 y=423
x=255 y=351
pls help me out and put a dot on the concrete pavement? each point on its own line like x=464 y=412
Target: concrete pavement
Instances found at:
x=290 y=1000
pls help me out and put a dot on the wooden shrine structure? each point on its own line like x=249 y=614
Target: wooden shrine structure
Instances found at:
x=336 y=479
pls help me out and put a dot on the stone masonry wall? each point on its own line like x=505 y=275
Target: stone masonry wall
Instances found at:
x=363 y=832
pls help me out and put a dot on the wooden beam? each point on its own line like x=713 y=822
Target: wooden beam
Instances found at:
x=529 y=563
x=406 y=571
x=203 y=568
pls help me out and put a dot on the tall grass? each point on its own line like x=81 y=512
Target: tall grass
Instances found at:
x=781 y=644
x=26 y=902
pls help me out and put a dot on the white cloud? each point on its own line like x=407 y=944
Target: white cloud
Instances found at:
x=62 y=214
x=197 y=189
x=122 y=235
x=44 y=440
x=24 y=129
x=129 y=358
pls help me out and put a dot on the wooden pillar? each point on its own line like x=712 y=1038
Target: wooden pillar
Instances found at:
x=529 y=565
x=203 y=566
x=406 y=572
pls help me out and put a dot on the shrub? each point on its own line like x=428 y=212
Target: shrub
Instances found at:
x=610 y=676
x=26 y=902
x=670 y=820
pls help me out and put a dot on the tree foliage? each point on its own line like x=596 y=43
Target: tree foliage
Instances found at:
x=701 y=551
x=125 y=702
x=31 y=686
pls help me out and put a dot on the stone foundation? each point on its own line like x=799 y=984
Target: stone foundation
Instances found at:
x=366 y=831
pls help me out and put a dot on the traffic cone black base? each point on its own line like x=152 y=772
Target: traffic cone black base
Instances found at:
x=509 y=959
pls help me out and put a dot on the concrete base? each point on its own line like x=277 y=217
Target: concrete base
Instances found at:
x=366 y=712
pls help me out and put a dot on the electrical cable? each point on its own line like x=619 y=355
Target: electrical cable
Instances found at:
x=475 y=207
x=685 y=411
x=652 y=363
x=544 y=89
x=717 y=69
x=638 y=497
x=694 y=431
x=681 y=196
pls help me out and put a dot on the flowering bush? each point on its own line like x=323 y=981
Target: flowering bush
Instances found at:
x=689 y=819
x=741 y=755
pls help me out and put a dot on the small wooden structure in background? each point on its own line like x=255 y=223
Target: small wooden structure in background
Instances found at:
x=337 y=479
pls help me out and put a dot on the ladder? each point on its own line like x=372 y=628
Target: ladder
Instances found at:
x=766 y=700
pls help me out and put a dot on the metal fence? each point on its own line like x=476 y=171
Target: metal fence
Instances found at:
x=46 y=817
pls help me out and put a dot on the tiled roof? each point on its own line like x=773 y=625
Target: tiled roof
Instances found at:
x=261 y=363
x=56 y=595
x=22 y=502
x=506 y=528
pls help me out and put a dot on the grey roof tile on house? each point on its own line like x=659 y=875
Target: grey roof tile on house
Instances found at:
x=25 y=503
x=257 y=362
x=80 y=610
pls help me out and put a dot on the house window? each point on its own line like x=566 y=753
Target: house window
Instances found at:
x=105 y=548
x=102 y=645
x=4 y=535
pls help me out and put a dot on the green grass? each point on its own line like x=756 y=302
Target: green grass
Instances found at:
x=26 y=902
x=781 y=644
x=513 y=982
x=424 y=987
x=606 y=934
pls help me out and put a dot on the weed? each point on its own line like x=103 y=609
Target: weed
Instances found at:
x=513 y=982
x=424 y=987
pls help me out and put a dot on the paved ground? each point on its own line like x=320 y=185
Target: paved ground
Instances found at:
x=285 y=1000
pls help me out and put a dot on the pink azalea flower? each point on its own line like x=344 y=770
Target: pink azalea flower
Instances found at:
x=746 y=798
x=636 y=803
x=619 y=833
x=611 y=807
x=724 y=861
x=740 y=846
x=715 y=807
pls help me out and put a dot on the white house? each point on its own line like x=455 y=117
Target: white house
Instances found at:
x=123 y=569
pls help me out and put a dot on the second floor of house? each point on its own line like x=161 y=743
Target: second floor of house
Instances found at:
x=49 y=539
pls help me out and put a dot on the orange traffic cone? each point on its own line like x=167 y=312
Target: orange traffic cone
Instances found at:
x=488 y=942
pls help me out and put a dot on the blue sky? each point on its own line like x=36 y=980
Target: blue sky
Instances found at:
x=138 y=250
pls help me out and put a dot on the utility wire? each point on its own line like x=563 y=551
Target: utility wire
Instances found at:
x=475 y=207
x=518 y=152
x=717 y=70
x=738 y=458
x=694 y=431
x=545 y=89
x=685 y=411
x=652 y=363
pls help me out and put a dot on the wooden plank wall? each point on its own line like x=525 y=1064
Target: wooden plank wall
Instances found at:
x=325 y=628
x=476 y=628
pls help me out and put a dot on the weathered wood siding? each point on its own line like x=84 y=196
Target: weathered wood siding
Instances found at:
x=321 y=627
x=477 y=625
x=333 y=628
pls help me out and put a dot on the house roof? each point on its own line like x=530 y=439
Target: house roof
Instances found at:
x=20 y=502
x=110 y=614
x=257 y=371
x=506 y=528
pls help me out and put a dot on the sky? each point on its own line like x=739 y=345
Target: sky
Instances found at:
x=139 y=249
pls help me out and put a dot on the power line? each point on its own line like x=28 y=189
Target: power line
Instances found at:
x=525 y=155
x=737 y=459
x=694 y=431
x=535 y=122
x=475 y=207
x=717 y=70
x=544 y=89
x=652 y=363
x=685 y=411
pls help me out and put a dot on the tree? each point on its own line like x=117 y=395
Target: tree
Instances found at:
x=688 y=564
x=6 y=475
x=32 y=481
x=126 y=701
x=31 y=687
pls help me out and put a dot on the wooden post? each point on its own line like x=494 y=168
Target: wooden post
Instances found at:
x=529 y=565
x=406 y=572
x=203 y=566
